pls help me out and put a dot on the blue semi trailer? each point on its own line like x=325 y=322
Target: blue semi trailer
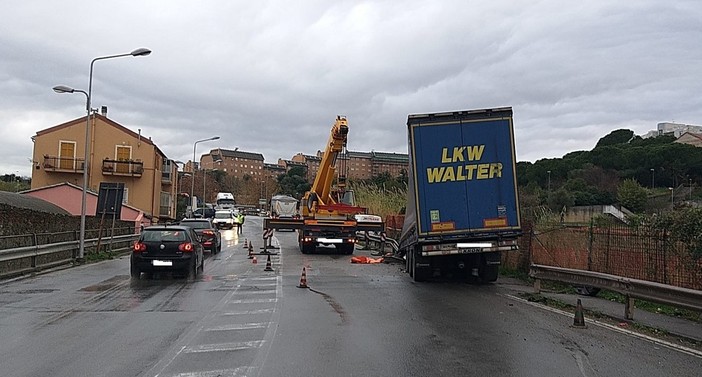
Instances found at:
x=462 y=207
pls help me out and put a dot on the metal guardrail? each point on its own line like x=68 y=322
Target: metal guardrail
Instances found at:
x=21 y=260
x=631 y=288
x=377 y=240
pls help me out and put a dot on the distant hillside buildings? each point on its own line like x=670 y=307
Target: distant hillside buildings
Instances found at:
x=675 y=129
x=360 y=165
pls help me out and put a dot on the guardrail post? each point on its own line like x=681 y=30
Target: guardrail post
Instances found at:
x=629 y=307
x=537 y=285
x=34 y=257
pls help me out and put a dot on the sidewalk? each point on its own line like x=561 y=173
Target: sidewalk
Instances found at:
x=673 y=325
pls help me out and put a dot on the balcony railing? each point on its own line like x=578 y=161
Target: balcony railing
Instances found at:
x=63 y=164
x=132 y=168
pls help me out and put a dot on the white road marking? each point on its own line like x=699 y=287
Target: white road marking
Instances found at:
x=235 y=327
x=224 y=347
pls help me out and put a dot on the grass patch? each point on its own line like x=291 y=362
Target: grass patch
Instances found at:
x=101 y=256
x=379 y=200
x=516 y=274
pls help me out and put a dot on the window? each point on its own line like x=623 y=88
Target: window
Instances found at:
x=125 y=196
x=123 y=153
x=67 y=155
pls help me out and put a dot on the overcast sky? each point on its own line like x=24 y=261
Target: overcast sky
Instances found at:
x=271 y=76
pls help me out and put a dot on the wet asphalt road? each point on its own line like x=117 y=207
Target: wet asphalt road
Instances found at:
x=354 y=320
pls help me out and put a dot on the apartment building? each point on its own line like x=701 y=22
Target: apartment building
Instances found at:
x=272 y=171
x=395 y=164
x=116 y=155
x=311 y=163
x=365 y=165
x=235 y=163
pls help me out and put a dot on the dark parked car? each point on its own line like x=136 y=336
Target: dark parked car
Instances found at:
x=209 y=235
x=167 y=248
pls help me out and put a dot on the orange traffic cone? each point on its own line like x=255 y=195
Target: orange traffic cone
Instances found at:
x=246 y=243
x=303 y=279
x=251 y=253
x=254 y=260
x=269 y=267
x=579 y=320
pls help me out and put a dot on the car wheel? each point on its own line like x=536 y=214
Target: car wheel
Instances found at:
x=201 y=269
x=191 y=270
x=134 y=271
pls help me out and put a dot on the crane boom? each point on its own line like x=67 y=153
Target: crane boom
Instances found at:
x=322 y=186
x=328 y=209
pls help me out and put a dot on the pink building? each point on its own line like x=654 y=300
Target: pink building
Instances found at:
x=69 y=197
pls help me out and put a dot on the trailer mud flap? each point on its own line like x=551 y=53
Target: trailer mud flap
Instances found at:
x=492 y=259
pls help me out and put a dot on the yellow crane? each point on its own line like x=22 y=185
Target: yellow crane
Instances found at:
x=329 y=210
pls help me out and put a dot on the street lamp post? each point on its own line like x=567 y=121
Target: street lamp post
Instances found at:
x=672 y=197
x=549 y=180
x=653 y=178
x=88 y=95
x=193 y=203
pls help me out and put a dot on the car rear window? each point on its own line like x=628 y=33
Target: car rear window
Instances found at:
x=164 y=235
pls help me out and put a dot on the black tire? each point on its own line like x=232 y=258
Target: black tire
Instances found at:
x=191 y=271
x=345 y=248
x=134 y=271
x=489 y=274
x=410 y=263
x=418 y=274
x=307 y=248
x=201 y=269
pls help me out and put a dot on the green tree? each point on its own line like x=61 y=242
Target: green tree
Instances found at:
x=616 y=137
x=559 y=199
x=293 y=183
x=632 y=196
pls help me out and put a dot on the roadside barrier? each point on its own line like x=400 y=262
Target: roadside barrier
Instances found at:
x=251 y=252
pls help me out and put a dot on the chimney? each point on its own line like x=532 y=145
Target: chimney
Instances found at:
x=103 y=110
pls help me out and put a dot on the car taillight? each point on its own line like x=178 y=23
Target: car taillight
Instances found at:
x=186 y=247
x=139 y=246
x=208 y=232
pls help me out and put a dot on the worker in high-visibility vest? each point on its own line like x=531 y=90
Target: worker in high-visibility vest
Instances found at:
x=239 y=219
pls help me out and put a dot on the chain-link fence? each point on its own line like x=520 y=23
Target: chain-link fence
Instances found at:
x=639 y=252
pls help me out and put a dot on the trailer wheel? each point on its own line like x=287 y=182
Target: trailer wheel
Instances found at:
x=488 y=273
x=307 y=248
x=345 y=248
x=419 y=274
